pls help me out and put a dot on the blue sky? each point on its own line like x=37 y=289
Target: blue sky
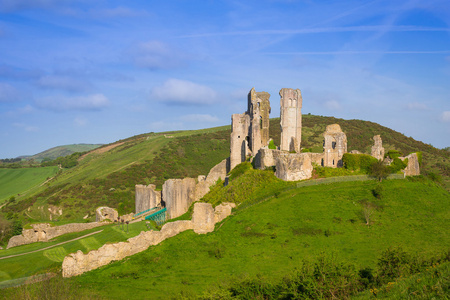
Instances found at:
x=80 y=71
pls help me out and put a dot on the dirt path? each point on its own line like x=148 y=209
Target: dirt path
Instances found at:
x=34 y=251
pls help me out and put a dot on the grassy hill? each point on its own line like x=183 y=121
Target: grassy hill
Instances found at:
x=276 y=227
x=20 y=181
x=284 y=226
x=107 y=175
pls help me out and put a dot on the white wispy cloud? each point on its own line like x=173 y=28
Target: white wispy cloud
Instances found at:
x=64 y=83
x=445 y=116
x=155 y=55
x=64 y=103
x=183 y=92
x=356 y=52
x=322 y=30
x=117 y=12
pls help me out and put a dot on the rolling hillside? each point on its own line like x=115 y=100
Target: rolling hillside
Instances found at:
x=107 y=175
x=277 y=226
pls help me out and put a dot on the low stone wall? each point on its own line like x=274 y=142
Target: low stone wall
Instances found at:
x=45 y=232
x=203 y=220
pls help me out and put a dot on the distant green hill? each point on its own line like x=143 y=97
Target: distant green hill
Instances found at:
x=59 y=151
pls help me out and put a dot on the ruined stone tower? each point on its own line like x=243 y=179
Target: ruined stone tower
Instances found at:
x=258 y=110
x=334 y=146
x=377 y=148
x=250 y=130
x=291 y=119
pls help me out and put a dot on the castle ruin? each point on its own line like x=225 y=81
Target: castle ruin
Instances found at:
x=290 y=119
x=377 y=149
x=250 y=130
x=334 y=146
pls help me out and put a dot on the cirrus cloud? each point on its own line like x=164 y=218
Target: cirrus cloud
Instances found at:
x=155 y=55
x=183 y=92
x=93 y=102
x=64 y=83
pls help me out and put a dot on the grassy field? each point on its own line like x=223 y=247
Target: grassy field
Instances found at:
x=19 y=181
x=51 y=259
x=274 y=237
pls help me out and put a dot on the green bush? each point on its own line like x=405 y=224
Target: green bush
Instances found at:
x=357 y=162
x=272 y=145
x=397 y=165
x=393 y=154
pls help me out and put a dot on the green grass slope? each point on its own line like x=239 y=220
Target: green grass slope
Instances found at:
x=272 y=237
x=19 y=181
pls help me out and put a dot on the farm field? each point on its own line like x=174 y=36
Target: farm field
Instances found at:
x=19 y=181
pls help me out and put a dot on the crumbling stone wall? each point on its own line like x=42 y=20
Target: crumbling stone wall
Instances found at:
x=178 y=195
x=45 y=232
x=205 y=182
x=250 y=130
x=146 y=197
x=202 y=222
x=377 y=150
x=293 y=166
x=413 y=168
x=258 y=110
x=105 y=213
x=239 y=149
x=291 y=119
x=334 y=146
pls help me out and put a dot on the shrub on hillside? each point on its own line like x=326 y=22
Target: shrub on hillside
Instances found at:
x=356 y=162
x=397 y=165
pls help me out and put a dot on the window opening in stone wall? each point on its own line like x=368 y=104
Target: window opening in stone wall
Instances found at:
x=333 y=162
x=260 y=122
x=333 y=145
